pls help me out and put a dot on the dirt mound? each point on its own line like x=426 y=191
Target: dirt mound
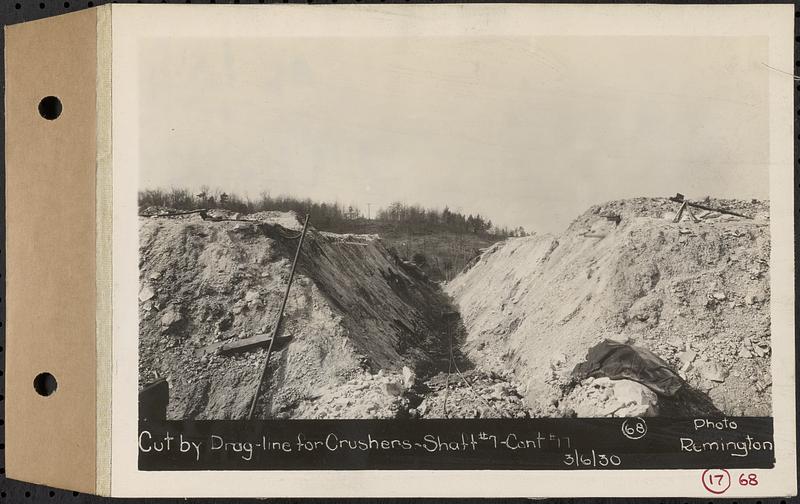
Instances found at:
x=365 y=395
x=473 y=394
x=213 y=278
x=694 y=293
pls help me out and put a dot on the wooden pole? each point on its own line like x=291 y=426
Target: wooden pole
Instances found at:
x=265 y=366
x=680 y=199
x=680 y=213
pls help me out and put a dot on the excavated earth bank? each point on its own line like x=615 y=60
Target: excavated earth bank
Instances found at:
x=694 y=293
x=355 y=317
x=367 y=335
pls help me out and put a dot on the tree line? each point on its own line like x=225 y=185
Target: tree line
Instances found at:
x=446 y=219
x=330 y=216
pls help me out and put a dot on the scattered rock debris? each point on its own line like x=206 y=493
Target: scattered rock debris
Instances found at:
x=695 y=293
x=353 y=309
x=366 y=335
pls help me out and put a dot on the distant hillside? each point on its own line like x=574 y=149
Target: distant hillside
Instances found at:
x=438 y=252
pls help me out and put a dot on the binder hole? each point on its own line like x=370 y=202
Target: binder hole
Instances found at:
x=50 y=107
x=45 y=384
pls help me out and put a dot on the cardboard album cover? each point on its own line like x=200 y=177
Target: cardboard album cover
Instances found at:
x=484 y=250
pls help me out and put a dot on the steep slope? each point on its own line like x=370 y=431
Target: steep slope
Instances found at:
x=353 y=307
x=695 y=294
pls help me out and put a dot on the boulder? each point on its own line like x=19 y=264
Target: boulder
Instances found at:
x=252 y=297
x=712 y=371
x=619 y=398
x=687 y=357
x=225 y=323
x=675 y=341
x=172 y=321
x=409 y=378
x=238 y=307
x=631 y=393
x=557 y=360
x=619 y=338
x=635 y=410
x=603 y=381
x=392 y=389
x=146 y=293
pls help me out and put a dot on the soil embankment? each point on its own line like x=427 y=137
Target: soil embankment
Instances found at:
x=354 y=309
x=368 y=335
x=696 y=294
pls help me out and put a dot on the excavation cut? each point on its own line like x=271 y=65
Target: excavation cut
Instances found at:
x=211 y=284
x=690 y=289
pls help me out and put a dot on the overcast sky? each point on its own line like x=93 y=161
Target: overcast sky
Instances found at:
x=525 y=131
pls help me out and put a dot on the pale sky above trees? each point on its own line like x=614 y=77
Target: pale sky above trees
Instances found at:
x=524 y=131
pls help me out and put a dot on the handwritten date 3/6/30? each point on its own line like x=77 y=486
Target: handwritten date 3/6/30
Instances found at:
x=591 y=458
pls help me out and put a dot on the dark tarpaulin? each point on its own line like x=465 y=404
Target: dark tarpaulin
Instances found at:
x=618 y=360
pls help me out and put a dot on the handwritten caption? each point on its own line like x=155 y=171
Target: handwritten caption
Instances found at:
x=463 y=442
x=459 y=444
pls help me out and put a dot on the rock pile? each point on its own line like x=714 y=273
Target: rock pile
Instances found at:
x=388 y=394
x=694 y=293
x=603 y=397
x=473 y=394
x=208 y=281
x=382 y=395
x=365 y=334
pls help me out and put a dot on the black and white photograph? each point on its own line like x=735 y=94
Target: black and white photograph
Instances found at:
x=416 y=249
x=454 y=228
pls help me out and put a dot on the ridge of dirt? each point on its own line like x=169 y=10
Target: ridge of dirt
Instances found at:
x=695 y=294
x=353 y=308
